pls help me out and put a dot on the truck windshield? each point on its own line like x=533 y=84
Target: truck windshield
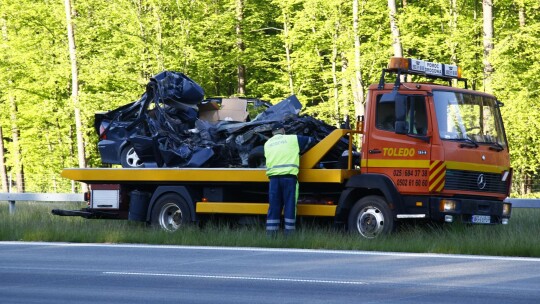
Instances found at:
x=468 y=117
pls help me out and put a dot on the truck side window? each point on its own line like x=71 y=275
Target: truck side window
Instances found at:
x=416 y=115
x=385 y=115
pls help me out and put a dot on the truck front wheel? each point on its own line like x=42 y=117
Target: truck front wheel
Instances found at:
x=371 y=217
x=171 y=212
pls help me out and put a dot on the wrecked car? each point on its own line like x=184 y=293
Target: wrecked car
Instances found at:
x=178 y=96
x=171 y=125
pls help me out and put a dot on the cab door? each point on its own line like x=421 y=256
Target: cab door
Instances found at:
x=399 y=144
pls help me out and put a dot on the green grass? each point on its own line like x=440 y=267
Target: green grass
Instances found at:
x=34 y=222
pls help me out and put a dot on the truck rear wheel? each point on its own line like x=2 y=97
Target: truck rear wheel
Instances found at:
x=371 y=217
x=171 y=212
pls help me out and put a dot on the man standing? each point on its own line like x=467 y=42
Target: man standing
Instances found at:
x=282 y=153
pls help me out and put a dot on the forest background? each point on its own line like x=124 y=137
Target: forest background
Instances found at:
x=63 y=60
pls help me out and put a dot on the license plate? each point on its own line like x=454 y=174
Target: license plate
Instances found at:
x=481 y=219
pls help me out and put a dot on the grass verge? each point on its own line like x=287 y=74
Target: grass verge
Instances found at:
x=34 y=222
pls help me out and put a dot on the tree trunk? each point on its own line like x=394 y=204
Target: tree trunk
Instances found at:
x=75 y=88
x=345 y=88
x=72 y=156
x=396 y=38
x=358 y=86
x=16 y=147
x=334 y=75
x=453 y=29
x=526 y=183
x=529 y=183
x=3 y=174
x=487 y=9
x=159 y=38
x=241 y=47
x=3 y=171
x=521 y=14
x=288 y=51
x=453 y=25
x=144 y=59
x=17 y=155
x=318 y=51
x=477 y=42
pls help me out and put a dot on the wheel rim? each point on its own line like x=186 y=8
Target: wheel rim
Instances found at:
x=370 y=222
x=132 y=158
x=170 y=217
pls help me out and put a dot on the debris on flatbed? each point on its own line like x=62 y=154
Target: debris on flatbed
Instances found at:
x=173 y=126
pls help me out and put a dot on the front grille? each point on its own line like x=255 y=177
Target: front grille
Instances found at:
x=471 y=181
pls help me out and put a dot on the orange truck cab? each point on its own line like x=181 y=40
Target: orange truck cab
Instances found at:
x=433 y=151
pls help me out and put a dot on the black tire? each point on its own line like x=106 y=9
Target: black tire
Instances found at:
x=129 y=158
x=256 y=158
x=171 y=212
x=371 y=217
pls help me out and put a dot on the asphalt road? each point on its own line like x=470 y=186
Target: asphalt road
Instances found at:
x=95 y=273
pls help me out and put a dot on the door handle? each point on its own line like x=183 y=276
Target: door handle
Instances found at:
x=374 y=151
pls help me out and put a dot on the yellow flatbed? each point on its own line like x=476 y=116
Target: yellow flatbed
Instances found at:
x=114 y=175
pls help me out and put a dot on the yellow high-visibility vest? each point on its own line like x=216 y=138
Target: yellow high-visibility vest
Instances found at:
x=282 y=155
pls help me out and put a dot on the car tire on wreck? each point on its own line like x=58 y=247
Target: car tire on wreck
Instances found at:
x=129 y=158
x=256 y=158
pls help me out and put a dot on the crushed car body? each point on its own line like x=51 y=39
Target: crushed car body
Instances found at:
x=172 y=125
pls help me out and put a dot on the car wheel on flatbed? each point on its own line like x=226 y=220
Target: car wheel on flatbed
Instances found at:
x=129 y=158
x=171 y=212
x=371 y=217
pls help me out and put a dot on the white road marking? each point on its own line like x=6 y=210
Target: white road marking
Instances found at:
x=219 y=277
x=288 y=250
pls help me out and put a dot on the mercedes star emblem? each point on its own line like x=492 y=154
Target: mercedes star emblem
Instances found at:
x=481 y=182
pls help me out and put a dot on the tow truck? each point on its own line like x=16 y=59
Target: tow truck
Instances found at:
x=428 y=151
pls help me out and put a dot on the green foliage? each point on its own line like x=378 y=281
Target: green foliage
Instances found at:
x=516 y=81
x=36 y=78
x=121 y=44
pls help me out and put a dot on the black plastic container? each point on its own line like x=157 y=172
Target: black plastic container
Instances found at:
x=138 y=205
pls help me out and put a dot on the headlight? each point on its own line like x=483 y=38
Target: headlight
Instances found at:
x=507 y=208
x=447 y=205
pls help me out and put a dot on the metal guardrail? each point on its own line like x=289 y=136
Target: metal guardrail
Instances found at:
x=12 y=198
x=524 y=202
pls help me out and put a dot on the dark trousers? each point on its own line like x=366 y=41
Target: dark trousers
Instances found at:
x=283 y=193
